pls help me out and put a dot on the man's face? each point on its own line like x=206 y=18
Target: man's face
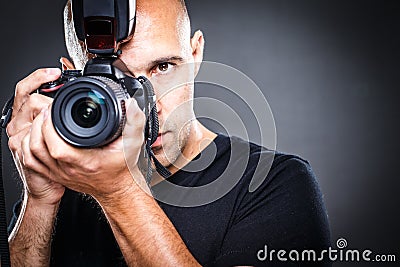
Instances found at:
x=161 y=50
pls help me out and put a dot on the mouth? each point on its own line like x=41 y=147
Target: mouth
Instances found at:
x=158 y=141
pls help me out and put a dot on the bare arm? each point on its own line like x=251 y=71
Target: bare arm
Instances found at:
x=31 y=237
x=144 y=233
x=31 y=244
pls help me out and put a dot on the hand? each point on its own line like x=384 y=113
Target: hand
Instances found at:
x=26 y=108
x=101 y=172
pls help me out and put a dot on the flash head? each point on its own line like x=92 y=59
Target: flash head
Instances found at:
x=102 y=24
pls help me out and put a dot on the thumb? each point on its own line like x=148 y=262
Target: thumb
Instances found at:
x=135 y=120
x=133 y=133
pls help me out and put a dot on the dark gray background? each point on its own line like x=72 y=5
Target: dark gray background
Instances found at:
x=329 y=69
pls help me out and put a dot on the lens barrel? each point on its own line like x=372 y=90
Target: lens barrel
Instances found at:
x=89 y=111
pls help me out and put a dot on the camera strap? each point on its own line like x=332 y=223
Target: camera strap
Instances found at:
x=164 y=172
x=4 y=248
x=152 y=127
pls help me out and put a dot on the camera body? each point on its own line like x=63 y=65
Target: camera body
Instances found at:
x=89 y=107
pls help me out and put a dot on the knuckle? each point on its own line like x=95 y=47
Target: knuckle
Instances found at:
x=36 y=103
x=28 y=162
x=91 y=166
x=35 y=147
x=57 y=153
x=32 y=101
x=70 y=171
x=23 y=87
x=10 y=129
x=19 y=86
x=41 y=99
x=21 y=90
x=12 y=143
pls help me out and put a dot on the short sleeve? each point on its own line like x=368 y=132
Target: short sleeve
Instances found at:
x=285 y=213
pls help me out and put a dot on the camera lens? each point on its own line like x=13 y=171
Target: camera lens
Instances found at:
x=86 y=113
x=89 y=111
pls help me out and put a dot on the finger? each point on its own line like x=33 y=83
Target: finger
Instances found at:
x=28 y=111
x=58 y=149
x=66 y=64
x=15 y=141
x=135 y=121
x=29 y=160
x=130 y=132
x=33 y=82
x=66 y=160
x=133 y=133
x=37 y=144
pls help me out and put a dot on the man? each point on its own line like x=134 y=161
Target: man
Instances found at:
x=117 y=221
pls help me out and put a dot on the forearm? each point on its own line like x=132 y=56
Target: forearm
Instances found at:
x=144 y=233
x=32 y=242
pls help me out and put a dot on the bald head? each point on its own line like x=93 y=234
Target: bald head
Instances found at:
x=164 y=11
x=151 y=15
x=161 y=49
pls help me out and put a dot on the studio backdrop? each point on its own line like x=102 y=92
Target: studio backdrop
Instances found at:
x=328 y=69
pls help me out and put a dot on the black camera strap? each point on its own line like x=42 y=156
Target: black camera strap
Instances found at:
x=4 y=248
x=152 y=127
x=164 y=172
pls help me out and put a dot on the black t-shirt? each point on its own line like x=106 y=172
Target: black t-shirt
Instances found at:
x=286 y=211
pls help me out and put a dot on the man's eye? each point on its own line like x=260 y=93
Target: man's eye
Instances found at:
x=163 y=67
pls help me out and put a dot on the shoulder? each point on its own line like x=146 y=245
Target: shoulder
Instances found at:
x=277 y=202
x=273 y=178
x=262 y=165
x=281 y=186
x=268 y=165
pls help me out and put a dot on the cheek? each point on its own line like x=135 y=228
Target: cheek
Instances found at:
x=177 y=104
x=177 y=81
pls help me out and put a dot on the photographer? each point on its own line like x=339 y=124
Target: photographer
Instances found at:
x=93 y=207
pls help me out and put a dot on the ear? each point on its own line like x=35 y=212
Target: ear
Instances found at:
x=66 y=64
x=197 y=44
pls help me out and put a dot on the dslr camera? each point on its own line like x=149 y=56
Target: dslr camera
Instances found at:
x=89 y=106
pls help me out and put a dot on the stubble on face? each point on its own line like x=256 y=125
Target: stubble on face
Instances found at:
x=175 y=138
x=163 y=31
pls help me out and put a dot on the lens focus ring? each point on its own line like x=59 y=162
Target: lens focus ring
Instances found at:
x=121 y=95
x=89 y=111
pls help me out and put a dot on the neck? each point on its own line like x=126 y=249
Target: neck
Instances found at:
x=199 y=138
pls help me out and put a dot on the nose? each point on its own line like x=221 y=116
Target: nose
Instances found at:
x=159 y=106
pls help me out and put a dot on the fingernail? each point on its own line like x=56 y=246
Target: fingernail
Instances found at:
x=53 y=71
